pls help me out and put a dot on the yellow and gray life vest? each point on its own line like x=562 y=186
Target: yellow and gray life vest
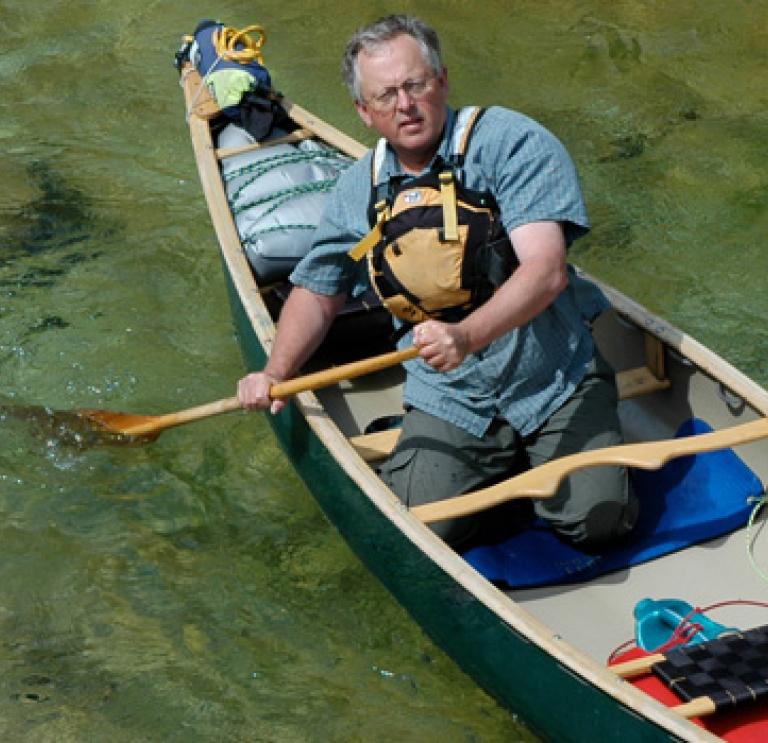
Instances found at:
x=436 y=248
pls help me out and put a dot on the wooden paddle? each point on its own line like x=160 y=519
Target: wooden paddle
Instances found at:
x=150 y=426
x=543 y=481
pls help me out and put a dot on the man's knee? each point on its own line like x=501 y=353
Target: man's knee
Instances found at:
x=593 y=508
x=417 y=477
x=607 y=522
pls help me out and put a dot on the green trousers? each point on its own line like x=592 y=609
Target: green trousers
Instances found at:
x=435 y=460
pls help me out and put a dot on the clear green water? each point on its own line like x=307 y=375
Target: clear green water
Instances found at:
x=190 y=589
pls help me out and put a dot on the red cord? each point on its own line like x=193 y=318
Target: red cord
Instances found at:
x=686 y=630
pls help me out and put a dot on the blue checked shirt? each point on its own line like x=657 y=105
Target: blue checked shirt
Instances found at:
x=527 y=374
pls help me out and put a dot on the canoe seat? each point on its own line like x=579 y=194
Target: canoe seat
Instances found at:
x=728 y=670
x=651 y=377
x=639 y=381
x=742 y=723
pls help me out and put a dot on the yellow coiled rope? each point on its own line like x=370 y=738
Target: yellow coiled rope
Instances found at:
x=226 y=41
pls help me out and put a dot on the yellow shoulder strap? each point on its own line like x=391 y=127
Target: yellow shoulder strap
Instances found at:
x=450 y=210
x=374 y=236
x=382 y=210
x=465 y=122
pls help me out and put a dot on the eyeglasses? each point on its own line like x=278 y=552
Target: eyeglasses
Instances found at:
x=386 y=100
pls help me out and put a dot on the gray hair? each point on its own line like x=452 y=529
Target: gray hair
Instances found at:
x=370 y=38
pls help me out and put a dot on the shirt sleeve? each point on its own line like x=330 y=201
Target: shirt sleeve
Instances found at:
x=327 y=268
x=531 y=173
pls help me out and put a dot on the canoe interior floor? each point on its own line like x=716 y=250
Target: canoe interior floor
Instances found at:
x=596 y=617
x=356 y=403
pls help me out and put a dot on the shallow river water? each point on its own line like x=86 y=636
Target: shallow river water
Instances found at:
x=190 y=589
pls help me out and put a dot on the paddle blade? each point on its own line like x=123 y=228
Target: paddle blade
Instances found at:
x=118 y=425
x=70 y=428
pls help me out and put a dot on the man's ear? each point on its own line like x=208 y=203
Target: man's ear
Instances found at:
x=363 y=113
x=443 y=78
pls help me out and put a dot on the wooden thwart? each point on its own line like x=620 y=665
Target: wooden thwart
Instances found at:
x=642 y=380
x=200 y=104
x=295 y=136
x=323 y=130
x=543 y=481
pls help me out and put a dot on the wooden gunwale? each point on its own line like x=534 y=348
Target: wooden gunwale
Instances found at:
x=527 y=626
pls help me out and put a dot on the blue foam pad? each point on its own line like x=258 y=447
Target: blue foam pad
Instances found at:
x=689 y=500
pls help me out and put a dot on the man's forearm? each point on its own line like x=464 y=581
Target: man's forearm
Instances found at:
x=303 y=324
x=527 y=293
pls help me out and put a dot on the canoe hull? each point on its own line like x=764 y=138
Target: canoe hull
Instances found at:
x=560 y=691
x=516 y=672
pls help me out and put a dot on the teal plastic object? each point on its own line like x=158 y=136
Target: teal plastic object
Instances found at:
x=657 y=620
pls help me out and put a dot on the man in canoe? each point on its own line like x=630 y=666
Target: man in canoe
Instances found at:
x=461 y=220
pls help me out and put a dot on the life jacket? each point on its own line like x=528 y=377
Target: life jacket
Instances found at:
x=436 y=248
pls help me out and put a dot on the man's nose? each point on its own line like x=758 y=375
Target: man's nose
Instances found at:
x=405 y=100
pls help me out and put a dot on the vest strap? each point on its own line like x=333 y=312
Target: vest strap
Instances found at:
x=374 y=236
x=465 y=123
x=450 y=210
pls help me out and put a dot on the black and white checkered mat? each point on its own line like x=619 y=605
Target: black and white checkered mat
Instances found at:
x=730 y=670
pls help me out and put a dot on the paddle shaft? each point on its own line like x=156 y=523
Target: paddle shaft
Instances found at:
x=544 y=480
x=314 y=381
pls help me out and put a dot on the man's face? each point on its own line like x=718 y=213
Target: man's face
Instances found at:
x=413 y=123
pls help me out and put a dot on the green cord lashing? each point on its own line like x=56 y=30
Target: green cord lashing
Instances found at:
x=283 y=195
x=276 y=199
x=759 y=502
x=262 y=167
x=253 y=237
